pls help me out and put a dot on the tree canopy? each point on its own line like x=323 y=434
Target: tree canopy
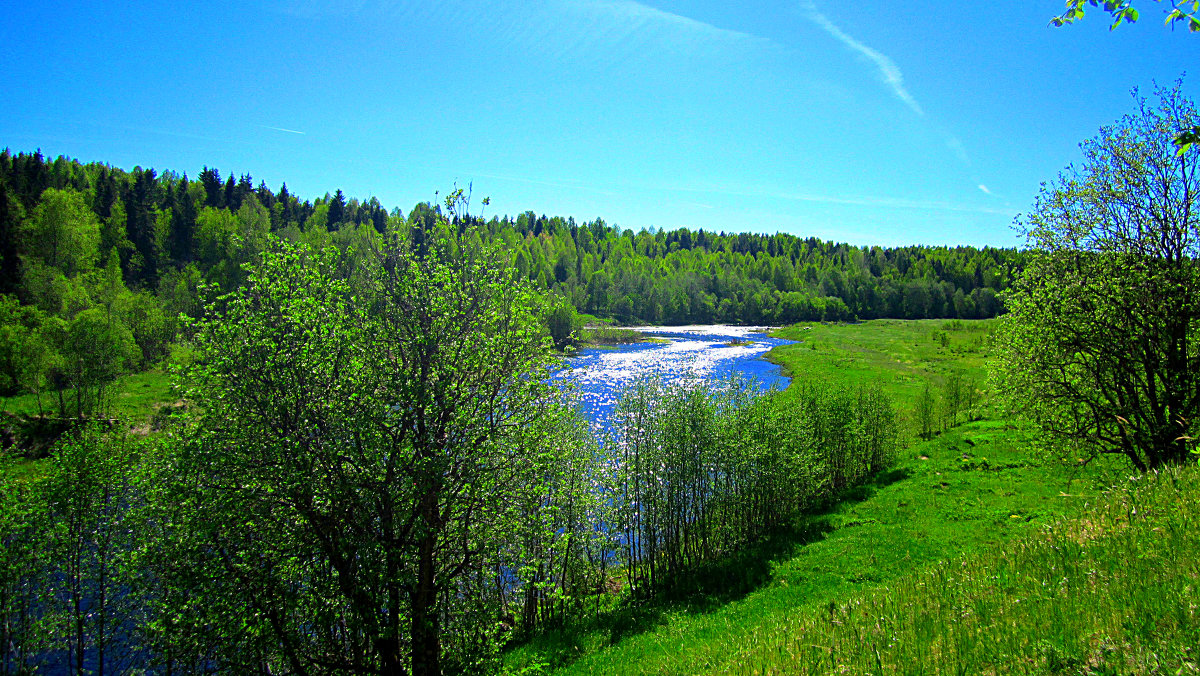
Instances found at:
x=374 y=436
x=1100 y=344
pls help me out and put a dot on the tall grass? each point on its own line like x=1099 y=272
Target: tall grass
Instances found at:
x=1113 y=591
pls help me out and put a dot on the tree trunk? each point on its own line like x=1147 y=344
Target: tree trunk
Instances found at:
x=426 y=642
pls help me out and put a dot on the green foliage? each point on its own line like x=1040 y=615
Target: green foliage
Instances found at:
x=707 y=468
x=62 y=232
x=930 y=508
x=611 y=335
x=95 y=350
x=926 y=413
x=142 y=245
x=903 y=359
x=373 y=446
x=1182 y=12
x=64 y=578
x=562 y=321
x=954 y=396
x=23 y=560
x=87 y=494
x=1099 y=346
x=1109 y=591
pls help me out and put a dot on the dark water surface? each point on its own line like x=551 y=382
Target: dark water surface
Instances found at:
x=690 y=353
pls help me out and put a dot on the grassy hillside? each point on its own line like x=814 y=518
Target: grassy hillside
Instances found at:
x=972 y=491
x=969 y=490
x=1111 y=591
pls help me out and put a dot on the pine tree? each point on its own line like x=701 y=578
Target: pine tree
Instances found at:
x=10 y=219
x=337 y=210
x=232 y=199
x=183 y=225
x=141 y=202
x=214 y=196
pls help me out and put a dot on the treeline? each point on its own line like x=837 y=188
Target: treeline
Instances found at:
x=376 y=475
x=684 y=276
x=98 y=265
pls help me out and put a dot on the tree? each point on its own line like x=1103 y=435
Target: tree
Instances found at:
x=925 y=412
x=562 y=322
x=88 y=496
x=24 y=563
x=96 y=350
x=954 y=394
x=337 y=210
x=358 y=453
x=1099 y=345
x=62 y=233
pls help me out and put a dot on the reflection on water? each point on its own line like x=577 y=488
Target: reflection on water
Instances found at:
x=689 y=353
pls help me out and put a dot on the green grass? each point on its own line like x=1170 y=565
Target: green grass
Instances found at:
x=902 y=355
x=1112 y=591
x=968 y=492
x=136 y=397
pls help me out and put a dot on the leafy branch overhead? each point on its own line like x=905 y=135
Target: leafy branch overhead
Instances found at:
x=1182 y=12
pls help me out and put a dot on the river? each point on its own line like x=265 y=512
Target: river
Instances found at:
x=676 y=354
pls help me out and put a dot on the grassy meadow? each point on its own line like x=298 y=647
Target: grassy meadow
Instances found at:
x=975 y=554
x=902 y=355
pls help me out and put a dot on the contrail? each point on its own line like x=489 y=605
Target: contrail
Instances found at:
x=290 y=131
x=888 y=70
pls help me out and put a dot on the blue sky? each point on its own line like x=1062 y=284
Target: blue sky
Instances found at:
x=869 y=122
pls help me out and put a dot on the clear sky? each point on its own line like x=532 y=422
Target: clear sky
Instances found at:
x=900 y=122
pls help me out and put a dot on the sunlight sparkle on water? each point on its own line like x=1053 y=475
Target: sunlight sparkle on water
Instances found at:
x=690 y=353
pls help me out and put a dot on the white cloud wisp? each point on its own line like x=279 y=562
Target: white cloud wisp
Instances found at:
x=888 y=70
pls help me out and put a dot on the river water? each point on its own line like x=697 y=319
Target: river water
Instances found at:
x=680 y=354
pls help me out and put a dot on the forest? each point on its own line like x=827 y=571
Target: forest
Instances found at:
x=99 y=264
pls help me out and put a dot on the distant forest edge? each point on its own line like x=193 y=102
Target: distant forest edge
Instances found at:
x=63 y=223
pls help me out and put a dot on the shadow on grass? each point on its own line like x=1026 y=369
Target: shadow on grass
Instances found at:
x=704 y=590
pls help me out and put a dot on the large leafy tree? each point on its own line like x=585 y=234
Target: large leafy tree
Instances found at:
x=358 y=456
x=96 y=349
x=1100 y=343
x=62 y=233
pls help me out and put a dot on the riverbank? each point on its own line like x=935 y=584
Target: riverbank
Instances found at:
x=612 y=336
x=967 y=494
x=902 y=355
